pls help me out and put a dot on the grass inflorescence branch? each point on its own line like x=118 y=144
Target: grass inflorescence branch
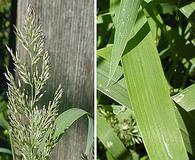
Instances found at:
x=29 y=122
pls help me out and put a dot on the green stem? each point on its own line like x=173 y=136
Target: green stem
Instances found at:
x=32 y=86
x=12 y=147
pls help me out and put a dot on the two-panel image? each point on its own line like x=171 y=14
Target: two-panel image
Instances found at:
x=97 y=80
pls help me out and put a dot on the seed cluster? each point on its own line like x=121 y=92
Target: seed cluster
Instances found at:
x=29 y=119
x=126 y=129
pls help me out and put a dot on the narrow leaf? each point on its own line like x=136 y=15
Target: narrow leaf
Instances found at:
x=90 y=135
x=188 y=9
x=115 y=90
x=126 y=18
x=3 y=122
x=110 y=140
x=66 y=119
x=6 y=151
x=187 y=128
x=186 y=98
x=149 y=95
x=184 y=121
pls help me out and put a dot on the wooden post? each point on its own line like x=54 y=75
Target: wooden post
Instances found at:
x=69 y=30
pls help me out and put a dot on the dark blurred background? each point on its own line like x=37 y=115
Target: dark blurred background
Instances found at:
x=7 y=20
x=7 y=37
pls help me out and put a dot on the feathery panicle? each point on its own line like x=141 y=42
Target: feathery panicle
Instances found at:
x=29 y=122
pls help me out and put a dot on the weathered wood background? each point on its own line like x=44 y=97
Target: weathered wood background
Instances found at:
x=69 y=29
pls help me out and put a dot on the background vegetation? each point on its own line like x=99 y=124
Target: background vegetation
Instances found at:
x=131 y=37
x=5 y=20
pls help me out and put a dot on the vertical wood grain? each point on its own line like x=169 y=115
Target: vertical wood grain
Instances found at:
x=69 y=29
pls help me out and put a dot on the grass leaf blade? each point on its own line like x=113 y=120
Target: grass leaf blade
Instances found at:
x=89 y=135
x=186 y=98
x=66 y=119
x=110 y=140
x=126 y=18
x=151 y=102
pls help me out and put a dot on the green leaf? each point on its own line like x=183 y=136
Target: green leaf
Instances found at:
x=110 y=140
x=104 y=18
x=188 y=9
x=163 y=1
x=114 y=4
x=186 y=98
x=121 y=112
x=6 y=151
x=90 y=135
x=126 y=18
x=66 y=119
x=149 y=95
x=109 y=156
x=115 y=90
x=187 y=128
x=105 y=53
x=184 y=121
x=3 y=122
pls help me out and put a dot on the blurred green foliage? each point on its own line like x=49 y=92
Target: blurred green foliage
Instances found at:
x=5 y=14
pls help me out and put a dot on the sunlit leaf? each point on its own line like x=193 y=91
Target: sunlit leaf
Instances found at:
x=126 y=18
x=150 y=98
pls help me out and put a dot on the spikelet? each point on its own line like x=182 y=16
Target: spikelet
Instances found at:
x=29 y=122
